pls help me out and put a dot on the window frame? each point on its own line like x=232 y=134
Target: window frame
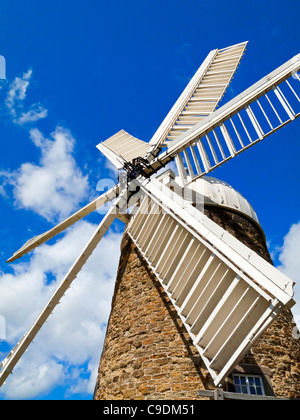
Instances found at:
x=247 y=384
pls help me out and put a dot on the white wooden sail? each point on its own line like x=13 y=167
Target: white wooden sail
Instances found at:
x=202 y=95
x=249 y=118
x=225 y=294
x=199 y=99
x=40 y=239
x=123 y=147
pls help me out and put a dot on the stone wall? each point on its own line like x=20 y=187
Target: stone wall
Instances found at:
x=147 y=352
x=242 y=228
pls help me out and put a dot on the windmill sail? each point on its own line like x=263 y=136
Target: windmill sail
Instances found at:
x=122 y=148
x=39 y=240
x=249 y=118
x=198 y=100
x=225 y=294
x=202 y=94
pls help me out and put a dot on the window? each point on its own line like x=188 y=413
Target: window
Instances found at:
x=248 y=384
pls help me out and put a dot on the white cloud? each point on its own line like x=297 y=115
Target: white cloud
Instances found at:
x=56 y=186
x=17 y=91
x=41 y=375
x=74 y=334
x=15 y=98
x=37 y=112
x=290 y=264
x=2 y=188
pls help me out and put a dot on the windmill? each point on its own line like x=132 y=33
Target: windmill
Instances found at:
x=225 y=294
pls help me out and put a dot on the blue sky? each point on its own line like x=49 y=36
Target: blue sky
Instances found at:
x=78 y=72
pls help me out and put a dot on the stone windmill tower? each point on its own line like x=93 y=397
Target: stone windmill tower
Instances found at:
x=148 y=353
x=197 y=301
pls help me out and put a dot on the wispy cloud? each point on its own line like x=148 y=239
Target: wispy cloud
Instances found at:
x=17 y=91
x=184 y=48
x=15 y=101
x=35 y=113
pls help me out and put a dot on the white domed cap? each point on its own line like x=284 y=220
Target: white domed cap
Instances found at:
x=212 y=191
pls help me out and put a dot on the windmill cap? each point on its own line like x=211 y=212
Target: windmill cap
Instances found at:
x=212 y=191
x=217 y=192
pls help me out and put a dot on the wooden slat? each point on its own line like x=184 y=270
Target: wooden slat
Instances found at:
x=204 y=303
x=178 y=247
x=188 y=294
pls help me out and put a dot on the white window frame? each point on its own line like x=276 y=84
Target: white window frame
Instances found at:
x=247 y=385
